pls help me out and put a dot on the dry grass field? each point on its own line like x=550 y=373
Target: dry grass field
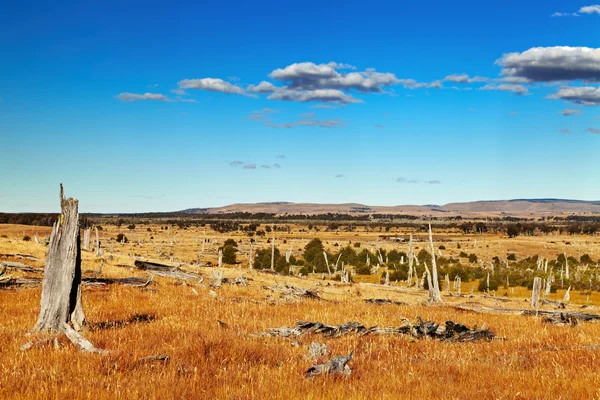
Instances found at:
x=528 y=359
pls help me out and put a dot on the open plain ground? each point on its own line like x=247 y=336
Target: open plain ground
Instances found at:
x=211 y=332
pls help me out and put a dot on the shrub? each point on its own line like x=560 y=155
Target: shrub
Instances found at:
x=229 y=252
x=494 y=284
x=364 y=270
x=26 y=238
x=472 y=258
x=122 y=238
x=511 y=257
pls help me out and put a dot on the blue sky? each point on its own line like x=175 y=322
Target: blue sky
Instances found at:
x=156 y=106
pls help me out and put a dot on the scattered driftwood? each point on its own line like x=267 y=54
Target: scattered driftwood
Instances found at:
x=335 y=366
x=293 y=291
x=453 y=332
x=381 y=302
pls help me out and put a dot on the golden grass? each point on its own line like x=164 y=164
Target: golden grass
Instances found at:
x=208 y=361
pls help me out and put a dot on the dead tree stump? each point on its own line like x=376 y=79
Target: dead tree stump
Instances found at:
x=61 y=287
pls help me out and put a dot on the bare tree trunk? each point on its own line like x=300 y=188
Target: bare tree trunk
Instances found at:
x=97 y=243
x=535 y=294
x=273 y=254
x=410 y=261
x=436 y=285
x=86 y=239
x=61 y=287
x=250 y=266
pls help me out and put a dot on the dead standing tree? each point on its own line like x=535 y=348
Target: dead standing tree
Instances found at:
x=61 y=287
x=435 y=293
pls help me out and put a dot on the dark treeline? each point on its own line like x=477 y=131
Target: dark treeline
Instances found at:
x=250 y=222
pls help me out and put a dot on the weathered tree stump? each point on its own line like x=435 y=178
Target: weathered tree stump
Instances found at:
x=61 y=287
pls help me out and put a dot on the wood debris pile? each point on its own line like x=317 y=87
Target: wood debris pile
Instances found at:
x=452 y=331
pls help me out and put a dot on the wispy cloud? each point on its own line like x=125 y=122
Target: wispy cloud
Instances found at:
x=593 y=130
x=568 y=112
x=464 y=78
x=339 y=176
x=236 y=163
x=564 y=14
x=593 y=9
x=402 y=179
x=273 y=125
x=213 y=85
x=378 y=126
x=519 y=90
x=249 y=166
x=126 y=96
x=323 y=123
x=281 y=156
x=566 y=131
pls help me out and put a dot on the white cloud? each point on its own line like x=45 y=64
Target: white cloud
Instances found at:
x=548 y=64
x=595 y=9
x=126 y=96
x=584 y=96
x=263 y=87
x=213 y=85
x=464 y=78
x=322 y=95
x=507 y=87
x=311 y=76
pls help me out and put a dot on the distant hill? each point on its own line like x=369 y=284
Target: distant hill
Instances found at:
x=516 y=207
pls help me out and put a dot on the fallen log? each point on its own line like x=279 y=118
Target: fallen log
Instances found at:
x=130 y=281
x=553 y=315
x=152 y=266
x=20 y=267
x=289 y=290
x=381 y=302
x=178 y=274
x=7 y=282
x=563 y=316
x=22 y=256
